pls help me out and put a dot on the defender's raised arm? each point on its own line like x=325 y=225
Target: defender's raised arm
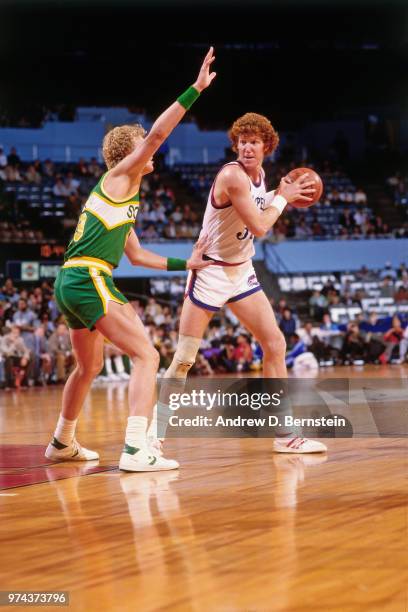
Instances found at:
x=134 y=163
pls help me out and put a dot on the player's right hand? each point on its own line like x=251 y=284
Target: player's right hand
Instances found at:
x=296 y=190
x=205 y=77
x=196 y=261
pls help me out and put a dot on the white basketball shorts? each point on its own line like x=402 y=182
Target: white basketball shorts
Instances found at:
x=217 y=285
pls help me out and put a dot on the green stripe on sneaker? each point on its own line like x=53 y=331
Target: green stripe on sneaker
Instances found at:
x=130 y=450
x=153 y=461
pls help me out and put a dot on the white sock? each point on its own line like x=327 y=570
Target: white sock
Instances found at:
x=108 y=366
x=159 y=422
x=136 y=431
x=65 y=430
x=120 y=368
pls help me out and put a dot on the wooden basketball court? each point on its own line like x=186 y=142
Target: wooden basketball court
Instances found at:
x=237 y=528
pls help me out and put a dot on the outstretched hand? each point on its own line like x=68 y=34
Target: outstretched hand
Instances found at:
x=205 y=77
x=196 y=261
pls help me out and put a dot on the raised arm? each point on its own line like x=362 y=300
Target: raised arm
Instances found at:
x=235 y=185
x=133 y=164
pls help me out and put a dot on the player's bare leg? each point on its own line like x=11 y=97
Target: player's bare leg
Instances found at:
x=264 y=328
x=194 y=320
x=88 y=351
x=124 y=329
x=193 y=323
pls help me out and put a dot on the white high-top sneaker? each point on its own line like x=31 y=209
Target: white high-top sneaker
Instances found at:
x=144 y=459
x=56 y=451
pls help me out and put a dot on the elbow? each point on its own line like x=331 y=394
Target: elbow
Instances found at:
x=157 y=135
x=258 y=231
x=135 y=259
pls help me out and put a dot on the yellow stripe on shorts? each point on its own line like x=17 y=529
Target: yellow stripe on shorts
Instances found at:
x=102 y=289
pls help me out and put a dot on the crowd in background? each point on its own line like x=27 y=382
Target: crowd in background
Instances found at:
x=40 y=200
x=35 y=347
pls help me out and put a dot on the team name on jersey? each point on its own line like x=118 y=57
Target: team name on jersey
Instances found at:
x=111 y=215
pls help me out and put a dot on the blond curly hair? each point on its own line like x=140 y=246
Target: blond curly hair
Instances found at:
x=119 y=142
x=252 y=123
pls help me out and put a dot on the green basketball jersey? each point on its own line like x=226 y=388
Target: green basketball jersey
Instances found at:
x=103 y=226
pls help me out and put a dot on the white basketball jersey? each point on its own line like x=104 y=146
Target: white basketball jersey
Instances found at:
x=230 y=239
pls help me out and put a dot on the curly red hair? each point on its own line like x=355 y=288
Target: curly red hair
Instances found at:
x=252 y=123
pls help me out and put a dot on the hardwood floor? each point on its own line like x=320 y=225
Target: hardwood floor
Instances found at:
x=237 y=528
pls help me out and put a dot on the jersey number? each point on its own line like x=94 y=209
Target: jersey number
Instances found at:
x=80 y=228
x=245 y=234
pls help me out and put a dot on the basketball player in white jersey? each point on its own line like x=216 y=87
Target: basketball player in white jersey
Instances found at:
x=238 y=209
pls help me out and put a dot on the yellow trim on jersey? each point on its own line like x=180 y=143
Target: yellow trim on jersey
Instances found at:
x=108 y=227
x=126 y=202
x=87 y=262
x=113 y=199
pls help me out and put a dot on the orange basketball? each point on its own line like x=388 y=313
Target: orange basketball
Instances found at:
x=313 y=176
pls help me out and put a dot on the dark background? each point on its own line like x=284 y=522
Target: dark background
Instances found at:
x=300 y=60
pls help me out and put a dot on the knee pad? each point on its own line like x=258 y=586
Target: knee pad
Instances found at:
x=184 y=357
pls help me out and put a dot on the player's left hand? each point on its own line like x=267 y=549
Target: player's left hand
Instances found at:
x=196 y=261
x=205 y=77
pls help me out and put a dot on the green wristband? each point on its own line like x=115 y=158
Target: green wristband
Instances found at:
x=188 y=98
x=174 y=264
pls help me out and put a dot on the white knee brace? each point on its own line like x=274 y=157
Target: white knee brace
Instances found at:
x=184 y=357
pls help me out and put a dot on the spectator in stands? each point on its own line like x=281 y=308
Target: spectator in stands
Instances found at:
x=25 y=319
x=360 y=219
x=94 y=168
x=3 y=158
x=13 y=159
x=402 y=271
x=60 y=189
x=288 y=323
x=403 y=347
x=365 y=275
x=347 y=221
x=226 y=358
x=401 y=295
x=32 y=175
x=373 y=337
x=360 y=197
x=378 y=224
x=16 y=357
x=49 y=168
x=60 y=349
x=243 y=353
x=387 y=287
x=72 y=184
x=46 y=324
x=298 y=348
x=170 y=231
x=41 y=359
x=392 y=339
x=81 y=167
x=11 y=174
x=388 y=271
x=353 y=346
x=150 y=233
x=302 y=230
x=317 y=305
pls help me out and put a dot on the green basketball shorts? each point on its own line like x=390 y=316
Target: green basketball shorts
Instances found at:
x=83 y=289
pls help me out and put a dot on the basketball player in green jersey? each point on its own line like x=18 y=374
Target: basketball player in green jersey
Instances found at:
x=94 y=308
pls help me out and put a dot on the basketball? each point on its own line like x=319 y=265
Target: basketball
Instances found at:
x=294 y=174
